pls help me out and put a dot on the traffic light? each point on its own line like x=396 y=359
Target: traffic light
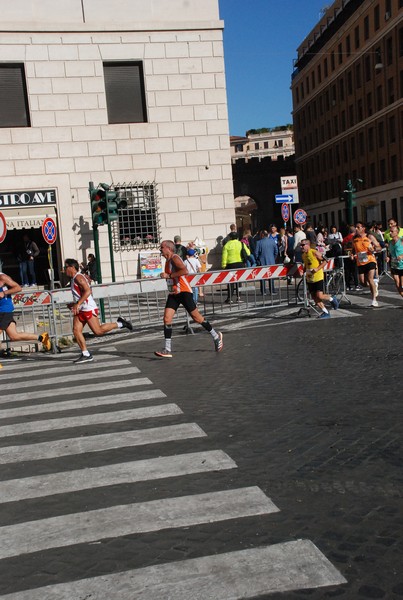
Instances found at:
x=98 y=206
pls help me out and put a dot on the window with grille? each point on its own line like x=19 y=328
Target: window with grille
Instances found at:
x=13 y=96
x=125 y=95
x=137 y=226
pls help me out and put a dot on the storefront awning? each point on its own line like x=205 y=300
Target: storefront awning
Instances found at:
x=27 y=218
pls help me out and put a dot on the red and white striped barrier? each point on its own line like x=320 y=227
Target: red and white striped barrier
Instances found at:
x=24 y=299
x=250 y=274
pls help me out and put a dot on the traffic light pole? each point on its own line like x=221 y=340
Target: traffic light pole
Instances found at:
x=98 y=261
x=349 y=202
x=111 y=251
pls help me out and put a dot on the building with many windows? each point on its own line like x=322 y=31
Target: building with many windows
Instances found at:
x=277 y=142
x=128 y=93
x=347 y=91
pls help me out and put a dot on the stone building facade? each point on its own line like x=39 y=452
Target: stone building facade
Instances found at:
x=125 y=93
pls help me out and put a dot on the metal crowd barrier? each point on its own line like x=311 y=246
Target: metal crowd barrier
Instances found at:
x=143 y=301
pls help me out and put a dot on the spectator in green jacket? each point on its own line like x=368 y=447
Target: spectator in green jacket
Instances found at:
x=232 y=259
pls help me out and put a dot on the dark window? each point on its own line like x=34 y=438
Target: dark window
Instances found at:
x=343 y=120
x=369 y=104
x=376 y=17
x=352 y=148
x=125 y=96
x=379 y=97
x=371 y=139
x=382 y=170
x=401 y=83
x=14 y=110
x=320 y=71
x=366 y=28
x=358 y=75
x=357 y=37
x=391 y=91
x=349 y=83
x=401 y=41
x=340 y=54
x=238 y=148
x=389 y=51
x=393 y=167
x=325 y=67
x=381 y=135
x=372 y=178
x=307 y=85
x=360 y=112
x=257 y=146
x=345 y=152
x=336 y=125
x=367 y=66
x=332 y=61
x=388 y=9
x=313 y=79
x=265 y=145
x=348 y=45
x=351 y=115
x=138 y=223
x=361 y=143
x=341 y=89
x=392 y=129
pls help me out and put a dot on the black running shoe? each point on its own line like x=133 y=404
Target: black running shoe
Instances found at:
x=125 y=323
x=84 y=359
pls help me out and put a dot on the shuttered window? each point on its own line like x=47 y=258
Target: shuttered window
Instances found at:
x=13 y=96
x=125 y=96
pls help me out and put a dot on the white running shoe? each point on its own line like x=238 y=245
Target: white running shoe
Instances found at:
x=374 y=304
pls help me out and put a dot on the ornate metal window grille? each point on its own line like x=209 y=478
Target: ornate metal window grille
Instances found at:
x=138 y=225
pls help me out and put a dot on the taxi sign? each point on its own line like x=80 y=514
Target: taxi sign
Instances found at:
x=300 y=216
x=49 y=230
x=285 y=212
x=3 y=227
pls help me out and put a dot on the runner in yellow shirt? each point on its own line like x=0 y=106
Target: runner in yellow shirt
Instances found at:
x=314 y=263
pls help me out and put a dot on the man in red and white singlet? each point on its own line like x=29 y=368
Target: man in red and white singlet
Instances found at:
x=85 y=310
x=181 y=293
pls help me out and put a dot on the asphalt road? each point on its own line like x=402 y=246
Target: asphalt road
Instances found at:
x=270 y=470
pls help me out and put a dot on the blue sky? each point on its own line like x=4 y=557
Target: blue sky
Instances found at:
x=261 y=38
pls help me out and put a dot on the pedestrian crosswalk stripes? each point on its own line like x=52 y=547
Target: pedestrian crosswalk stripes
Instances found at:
x=48 y=511
x=120 y=416
x=99 y=443
x=76 y=387
x=66 y=378
x=52 y=407
x=240 y=574
x=13 y=490
x=66 y=367
x=129 y=519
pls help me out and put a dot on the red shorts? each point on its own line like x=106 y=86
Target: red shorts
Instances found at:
x=85 y=315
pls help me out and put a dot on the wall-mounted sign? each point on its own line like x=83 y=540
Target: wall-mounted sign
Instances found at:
x=21 y=199
x=150 y=264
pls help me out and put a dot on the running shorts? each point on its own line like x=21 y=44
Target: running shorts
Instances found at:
x=184 y=298
x=5 y=319
x=85 y=315
x=363 y=269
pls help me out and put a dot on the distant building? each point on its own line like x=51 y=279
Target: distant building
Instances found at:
x=276 y=143
x=347 y=91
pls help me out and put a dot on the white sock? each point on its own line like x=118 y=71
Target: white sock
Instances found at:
x=120 y=325
x=86 y=353
x=324 y=309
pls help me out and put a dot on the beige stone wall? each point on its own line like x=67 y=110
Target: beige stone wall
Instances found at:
x=184 y=146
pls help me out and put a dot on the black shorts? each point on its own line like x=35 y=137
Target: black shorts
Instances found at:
x=184 y=298
x=397 y=272
x=363 y=269
x=315 y=286
x=6 y=319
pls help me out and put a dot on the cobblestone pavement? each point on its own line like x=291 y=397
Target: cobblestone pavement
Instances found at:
x=270 y=470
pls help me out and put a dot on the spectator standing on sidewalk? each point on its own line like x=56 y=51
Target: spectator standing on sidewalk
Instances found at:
x=266 y=254
x=8 y=287
x=396 y=257
x=26 y=256
x=350 y=266
x=314 y=263
x=85 y=310
x=299 y=235
x=232 y=229
x=192 y=264
x=180 y=250
x=364 y=255
x=181 y=293
x=232 y=259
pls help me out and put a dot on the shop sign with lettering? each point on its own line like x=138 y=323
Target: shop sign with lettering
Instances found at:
x=21 y=199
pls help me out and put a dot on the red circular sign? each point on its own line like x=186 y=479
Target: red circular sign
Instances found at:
x=3 y=227
x=49 y=230
x=300 y=216
x=285 y=212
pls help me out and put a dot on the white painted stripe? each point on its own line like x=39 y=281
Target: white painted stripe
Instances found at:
x=231 y=576
x=66 y=482
x=62 y=367
x=39 y=409
x=99 y=443
x=77 y=388
x=68 y=378
x=52 y=359
x=129 y=519
x=97 y=419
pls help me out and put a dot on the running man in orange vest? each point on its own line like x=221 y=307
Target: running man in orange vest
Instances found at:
x=364 y=255
x=181 y=293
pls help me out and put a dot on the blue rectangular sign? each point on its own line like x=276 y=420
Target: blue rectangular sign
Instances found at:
x=281 y=198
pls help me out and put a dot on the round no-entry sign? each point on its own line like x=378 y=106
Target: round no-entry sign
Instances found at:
x=300 y=216
x=3 y=227
x=285 y=212
x=49 y=230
